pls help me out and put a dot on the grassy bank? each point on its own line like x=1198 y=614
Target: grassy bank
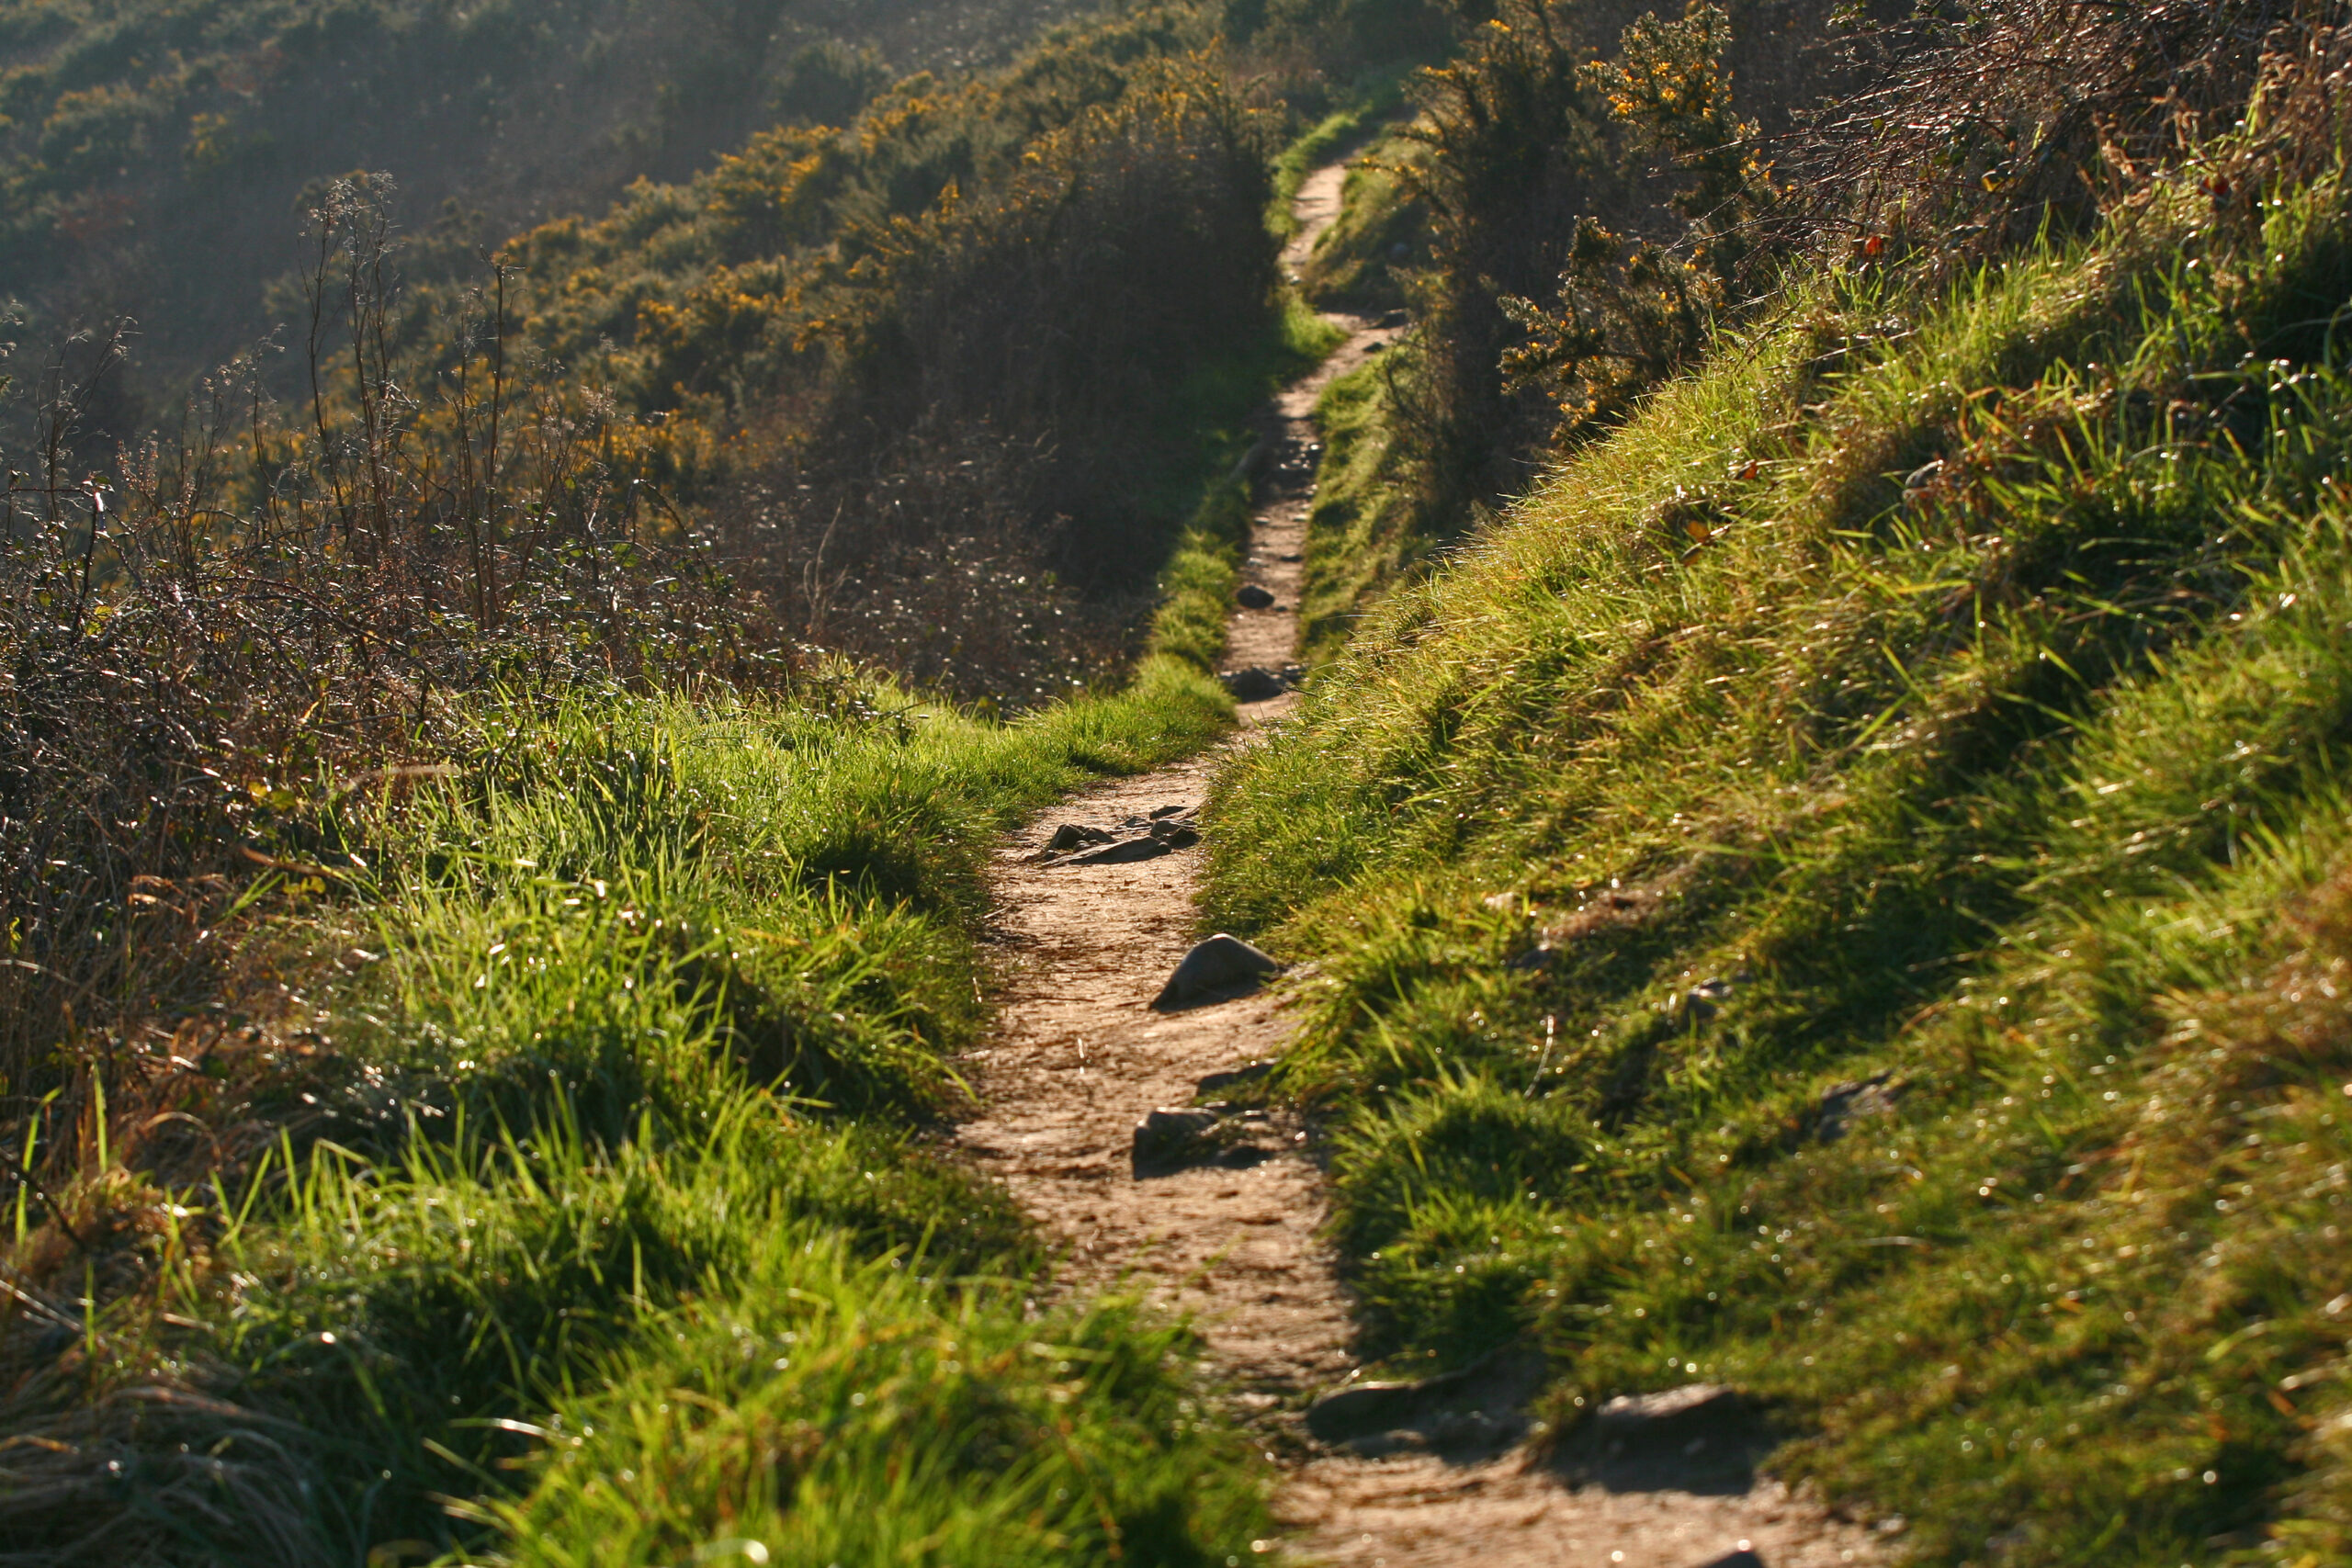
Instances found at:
x=1365 y=108
x=1842 y=892
x=1363 y=261
x=602 y=1210
x=1372 y=521
x=1360 y=534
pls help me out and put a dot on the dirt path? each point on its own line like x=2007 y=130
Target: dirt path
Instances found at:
x=1080 y=1059
x=1285 y=463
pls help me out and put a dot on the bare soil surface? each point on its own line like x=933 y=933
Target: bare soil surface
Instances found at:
x=1230 y=1235
x=1285 y=460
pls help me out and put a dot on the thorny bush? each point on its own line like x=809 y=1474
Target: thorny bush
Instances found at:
x=264 y=613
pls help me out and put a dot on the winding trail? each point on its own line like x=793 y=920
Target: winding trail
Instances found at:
x=1079 y=1058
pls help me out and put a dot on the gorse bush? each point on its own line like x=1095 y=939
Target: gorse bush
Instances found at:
x=155 y=157
x=1583 y=196
x=1558 y=130
x=1629 y=315
x=986 y=323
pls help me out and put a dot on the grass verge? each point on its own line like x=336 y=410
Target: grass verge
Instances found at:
x=1842 y=892
x=1362 y=539
x=1204 y=569
x=1363 y=261
x=609 y=1205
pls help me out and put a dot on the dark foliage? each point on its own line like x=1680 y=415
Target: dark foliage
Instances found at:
x=1986 y=122
x=1553 y=174
x=268 y=610
x=155 y=159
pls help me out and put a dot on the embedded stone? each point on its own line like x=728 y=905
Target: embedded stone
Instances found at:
x=1167 y=1135
x=1122 y=851
x=1847 y=1103
x=1255 y=684
x=1220 y=962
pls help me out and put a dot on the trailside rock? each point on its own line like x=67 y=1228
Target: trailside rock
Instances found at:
x=1480 y=1407
x=1255 y=684
x=1137 y=838
x=1219 y=962
x=1699 y=1438
x=1844 y=1104
x=1253 y=597
x=1670 y=1419
x=1168 y=1135
x=1370 y=1408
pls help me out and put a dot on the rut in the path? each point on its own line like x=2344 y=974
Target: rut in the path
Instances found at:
x=1079 y=1058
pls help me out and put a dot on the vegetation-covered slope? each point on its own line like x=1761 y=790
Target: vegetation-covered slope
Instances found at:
x=587 y=1138
x=473 y=983
x=823 y=396
x=1840 y=890
x=155 y=158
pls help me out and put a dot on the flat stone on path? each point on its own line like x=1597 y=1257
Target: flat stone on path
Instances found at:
x=1700 y=1438
x=1214 y=965
x=1073 y=836
x=1259 y=684
x=1125 y=852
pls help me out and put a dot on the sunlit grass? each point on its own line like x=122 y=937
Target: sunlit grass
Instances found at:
x=1794 y=916
x=651 y=1001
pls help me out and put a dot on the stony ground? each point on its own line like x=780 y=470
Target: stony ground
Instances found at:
x=1231 y=1238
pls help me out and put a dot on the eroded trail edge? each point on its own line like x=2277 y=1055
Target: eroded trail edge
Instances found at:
x=1079 y=1058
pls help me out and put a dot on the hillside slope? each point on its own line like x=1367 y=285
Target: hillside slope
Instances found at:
x=155 y=160
x=1842 y=891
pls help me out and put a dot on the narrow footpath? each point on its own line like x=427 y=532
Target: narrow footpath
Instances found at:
x=1233 y=1242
